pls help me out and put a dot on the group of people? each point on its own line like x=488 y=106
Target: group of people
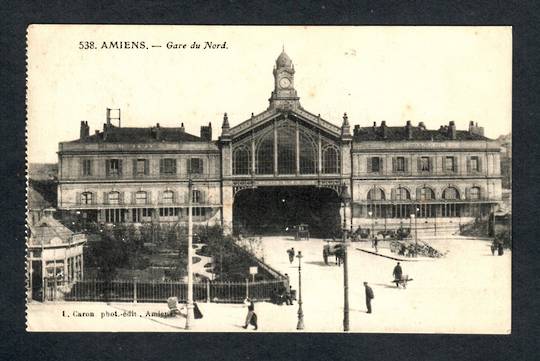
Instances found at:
x=281 y=296
x=284 y=295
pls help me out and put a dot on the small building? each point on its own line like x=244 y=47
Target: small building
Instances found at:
x=55 y=257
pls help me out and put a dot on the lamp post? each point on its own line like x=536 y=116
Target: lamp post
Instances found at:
x=370 y=214
x=190 y=258
x=415 y=229
x=345 y=197
x=300 y=324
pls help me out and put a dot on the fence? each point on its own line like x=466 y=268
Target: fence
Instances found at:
x=159 y=291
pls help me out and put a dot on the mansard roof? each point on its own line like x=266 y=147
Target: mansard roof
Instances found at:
x=418 y=133
x=140 y=135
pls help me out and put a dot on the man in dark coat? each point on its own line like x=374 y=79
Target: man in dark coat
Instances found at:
x=369 y=296
x=398 y=272
x=291 y=254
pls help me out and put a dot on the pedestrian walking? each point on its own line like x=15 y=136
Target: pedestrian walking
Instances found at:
x=398 y=273
x=251 y=317
x=291 y=254
x=369 y=296
x=500 y=249
x=375 y=244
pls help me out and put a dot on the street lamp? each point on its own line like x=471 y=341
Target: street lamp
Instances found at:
x=415 y=229
x=370 y=213
x=190 y=258
x=300 y=325
x=345 y=197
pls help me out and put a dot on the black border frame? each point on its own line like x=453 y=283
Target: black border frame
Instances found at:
x=520 y=345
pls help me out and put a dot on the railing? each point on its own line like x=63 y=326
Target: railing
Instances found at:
x=273 y=272
x=159 y=291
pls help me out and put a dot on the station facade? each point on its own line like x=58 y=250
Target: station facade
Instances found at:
x=281 y=167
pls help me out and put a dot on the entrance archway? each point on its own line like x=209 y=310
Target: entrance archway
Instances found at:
x=276 y=210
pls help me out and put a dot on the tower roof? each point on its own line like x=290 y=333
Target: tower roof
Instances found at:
x=283 y=60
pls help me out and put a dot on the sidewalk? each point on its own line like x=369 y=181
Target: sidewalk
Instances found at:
x=152 y=317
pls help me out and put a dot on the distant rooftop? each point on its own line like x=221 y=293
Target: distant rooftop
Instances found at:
x=114 y=134
x=385 y=133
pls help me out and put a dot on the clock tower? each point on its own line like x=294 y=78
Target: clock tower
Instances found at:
x=284 y=95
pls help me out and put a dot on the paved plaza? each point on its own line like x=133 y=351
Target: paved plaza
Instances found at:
x=467 y=291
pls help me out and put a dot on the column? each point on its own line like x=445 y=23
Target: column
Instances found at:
x=227 y=209
x=319 y=154
x=275 y=149
x=297 y=149
x=252 y=155
x=81 y=266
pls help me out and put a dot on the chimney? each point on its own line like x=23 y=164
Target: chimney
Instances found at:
x=206 y=132
x=356 y=130
x=85 y=130
x=452 y=130
x=408 y=129
x=156 y=132
x=384 y=129
x=182 y=129
x=374 y=126
x=422 y=126
x=475 y=129
x=105 y=130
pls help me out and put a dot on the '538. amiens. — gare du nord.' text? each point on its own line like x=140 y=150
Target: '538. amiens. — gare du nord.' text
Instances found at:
x=144 y=45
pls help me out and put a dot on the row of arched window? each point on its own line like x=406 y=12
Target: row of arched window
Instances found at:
x=294 y=154
x=423 y=193
x=141 y=197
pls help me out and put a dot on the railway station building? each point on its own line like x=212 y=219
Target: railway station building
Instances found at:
x=282 y=167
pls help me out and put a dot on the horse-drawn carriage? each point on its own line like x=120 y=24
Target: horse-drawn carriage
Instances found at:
x=333 y=249
x=360 y=233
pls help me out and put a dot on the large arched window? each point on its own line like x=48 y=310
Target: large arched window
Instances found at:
x=141 y=197
x=474 y=193
x=330 y=157
x=401 y=194
x=241 y=160
x=265 y=154
x=113 y=198
x=87 y=198
x=425 y=194
x=286 y=150
x=451 y=193
x=308 y=155
x=168 y=197
x=376 y=194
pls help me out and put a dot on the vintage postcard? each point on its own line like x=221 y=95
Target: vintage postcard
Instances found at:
x=269 y=179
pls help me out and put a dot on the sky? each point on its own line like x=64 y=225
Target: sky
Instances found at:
x=423 y=74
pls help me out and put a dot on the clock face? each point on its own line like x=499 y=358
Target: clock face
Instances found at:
x=284 y=83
